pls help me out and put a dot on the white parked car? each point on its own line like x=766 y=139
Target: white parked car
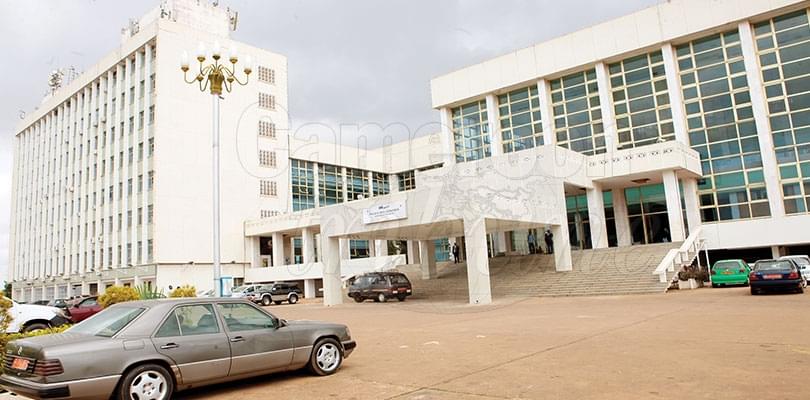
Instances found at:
x=804 y=265
x=30 y=317
x=245 y=291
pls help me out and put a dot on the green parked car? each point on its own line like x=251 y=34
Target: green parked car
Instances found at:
x=730 y=272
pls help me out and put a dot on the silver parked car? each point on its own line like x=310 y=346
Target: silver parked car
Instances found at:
x=149 y=349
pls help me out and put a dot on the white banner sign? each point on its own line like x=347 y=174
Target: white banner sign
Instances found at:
x=385 y=212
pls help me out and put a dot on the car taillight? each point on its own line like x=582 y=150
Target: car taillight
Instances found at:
x=793 y=275
x=714 y=272
x=752 y=276
x=48 y=367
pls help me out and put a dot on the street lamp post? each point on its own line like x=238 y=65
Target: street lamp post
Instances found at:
x=215 y=77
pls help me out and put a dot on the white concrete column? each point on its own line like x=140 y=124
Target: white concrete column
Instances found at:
x=332 y=290
x=674 y=214
x=393 y=183
x=606 y=105
x=309 y=289
x=758 y=101
x=33 y=295
x=428 y=265
x=254 y=251
x=292 y=250
x=345 y=183
x=500 y=243
x=776 y=252
x=380 y=248
x=546 y=112
x=596 y=217
x=308 y=245
x=493 y=119
x=448 y=143
x=345 y=249
x=561 y=239
x=692 y=203
x=675 y=93
x=116 y=282
x=278 y=249
x=69 y=291
x=136 y=281
x=413 y=252
x=317 y=184
x=101 y=287
x=624 y=236
x=85 y=289
x=475 y=233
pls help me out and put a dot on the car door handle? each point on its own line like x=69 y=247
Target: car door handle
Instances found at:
x=237 y=339
x=170 y=346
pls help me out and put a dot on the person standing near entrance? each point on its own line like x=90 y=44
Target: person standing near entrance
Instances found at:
x=549 y=241
x=532 y=243
x=455 y=253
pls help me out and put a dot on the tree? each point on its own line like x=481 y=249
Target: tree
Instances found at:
x=7 y=290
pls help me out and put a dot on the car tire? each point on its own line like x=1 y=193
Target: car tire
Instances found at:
x=293 y=298
x=145 y=380
x=714 y=285
x=754 y=292
x=800 y=290
x=266 y=301
x=326 y=357
x=381 y=298
x=401 y=297
x=36 y=326
x=277 y=302
x=358 y=298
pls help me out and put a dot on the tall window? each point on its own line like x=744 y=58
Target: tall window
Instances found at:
x=520 y=119
x=471 y=131
x=302 y=184
x=359 y=248
x=330 y=181
x=784 y=55
x=407 y=180
x=577 y=116
x=356 y=184
x=380 y=183
x=641 y=101
x=722 y=129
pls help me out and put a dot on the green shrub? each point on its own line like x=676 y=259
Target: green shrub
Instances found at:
x=5 y=313
x=117 y=294
x=184 y=291
x=148 y=293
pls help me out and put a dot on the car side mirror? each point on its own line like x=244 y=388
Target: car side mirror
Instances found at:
x=281 y=323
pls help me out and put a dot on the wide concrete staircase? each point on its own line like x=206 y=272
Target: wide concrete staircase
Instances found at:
x=611 y=271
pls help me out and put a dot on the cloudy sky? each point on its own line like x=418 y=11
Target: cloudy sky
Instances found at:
x=351 y=62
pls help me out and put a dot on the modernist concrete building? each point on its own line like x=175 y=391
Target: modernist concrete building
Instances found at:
x=684 y=122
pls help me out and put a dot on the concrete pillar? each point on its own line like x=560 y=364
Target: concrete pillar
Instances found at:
x=380 y=248
x=317 y=183
x=493 y=119
x=85 y=289
x=291 y=253
x=562 y=242
x=69 y=291
x=309 y=289
x=480 y=290
x=621 y=218
x=308 y=245
x=461 y=248
x=428 y=265
x=345 y=249
x=137 y=281
x=254 y=251
x=332 y=288
x=55 y=292
x=393 y=183
x=448 y=144
x=101 y=287
x=116 y=282
x=413 y=252
x=596 y=217
x=692 y=203
x=500 y=243
x=278 y=249
x=758 y=108
x=546 y=112
x=674 y=214
x=606 y=105
x=33 y=297
x=675 y=93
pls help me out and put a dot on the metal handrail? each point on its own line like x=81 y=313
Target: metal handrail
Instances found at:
x=668 y=263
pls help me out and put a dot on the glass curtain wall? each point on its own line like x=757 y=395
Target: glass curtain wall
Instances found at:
x=380 y=184
x=471 y=131
x=722 y=129
x=407 y=180
x=356 y=184
x=359 y=249
x=520 y=119
x=647 y=212
x=579 y=227
x=783 y=44
x=577 y=116
x=641 y=101
x=331 y=184
x=302 y=182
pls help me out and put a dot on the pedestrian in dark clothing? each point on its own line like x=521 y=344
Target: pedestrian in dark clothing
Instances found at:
x=549 y=241
x=455 y=252
x=532 y=243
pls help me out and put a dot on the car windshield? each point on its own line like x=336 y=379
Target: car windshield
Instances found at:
x=725 y=265
x=800 y=260
x=239 y=289
x=108 y=322
x=363 y=280
x=774 y=265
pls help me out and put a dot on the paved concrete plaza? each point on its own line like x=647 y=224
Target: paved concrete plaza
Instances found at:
x=709 y=343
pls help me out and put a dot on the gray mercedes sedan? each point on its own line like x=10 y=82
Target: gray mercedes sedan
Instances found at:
x=147 y=350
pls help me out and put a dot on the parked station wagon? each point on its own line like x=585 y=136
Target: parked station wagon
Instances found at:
x=151 y=349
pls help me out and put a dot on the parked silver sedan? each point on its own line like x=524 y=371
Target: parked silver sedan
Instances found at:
x=146 y=350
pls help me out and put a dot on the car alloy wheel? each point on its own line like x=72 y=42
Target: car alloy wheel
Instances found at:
x=266 y=301
x=358 y=298
x=147 y=382
x=326 y=357
x=381 y=298
x=293 y=298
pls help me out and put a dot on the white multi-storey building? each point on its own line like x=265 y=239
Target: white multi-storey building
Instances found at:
x=112 y=172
